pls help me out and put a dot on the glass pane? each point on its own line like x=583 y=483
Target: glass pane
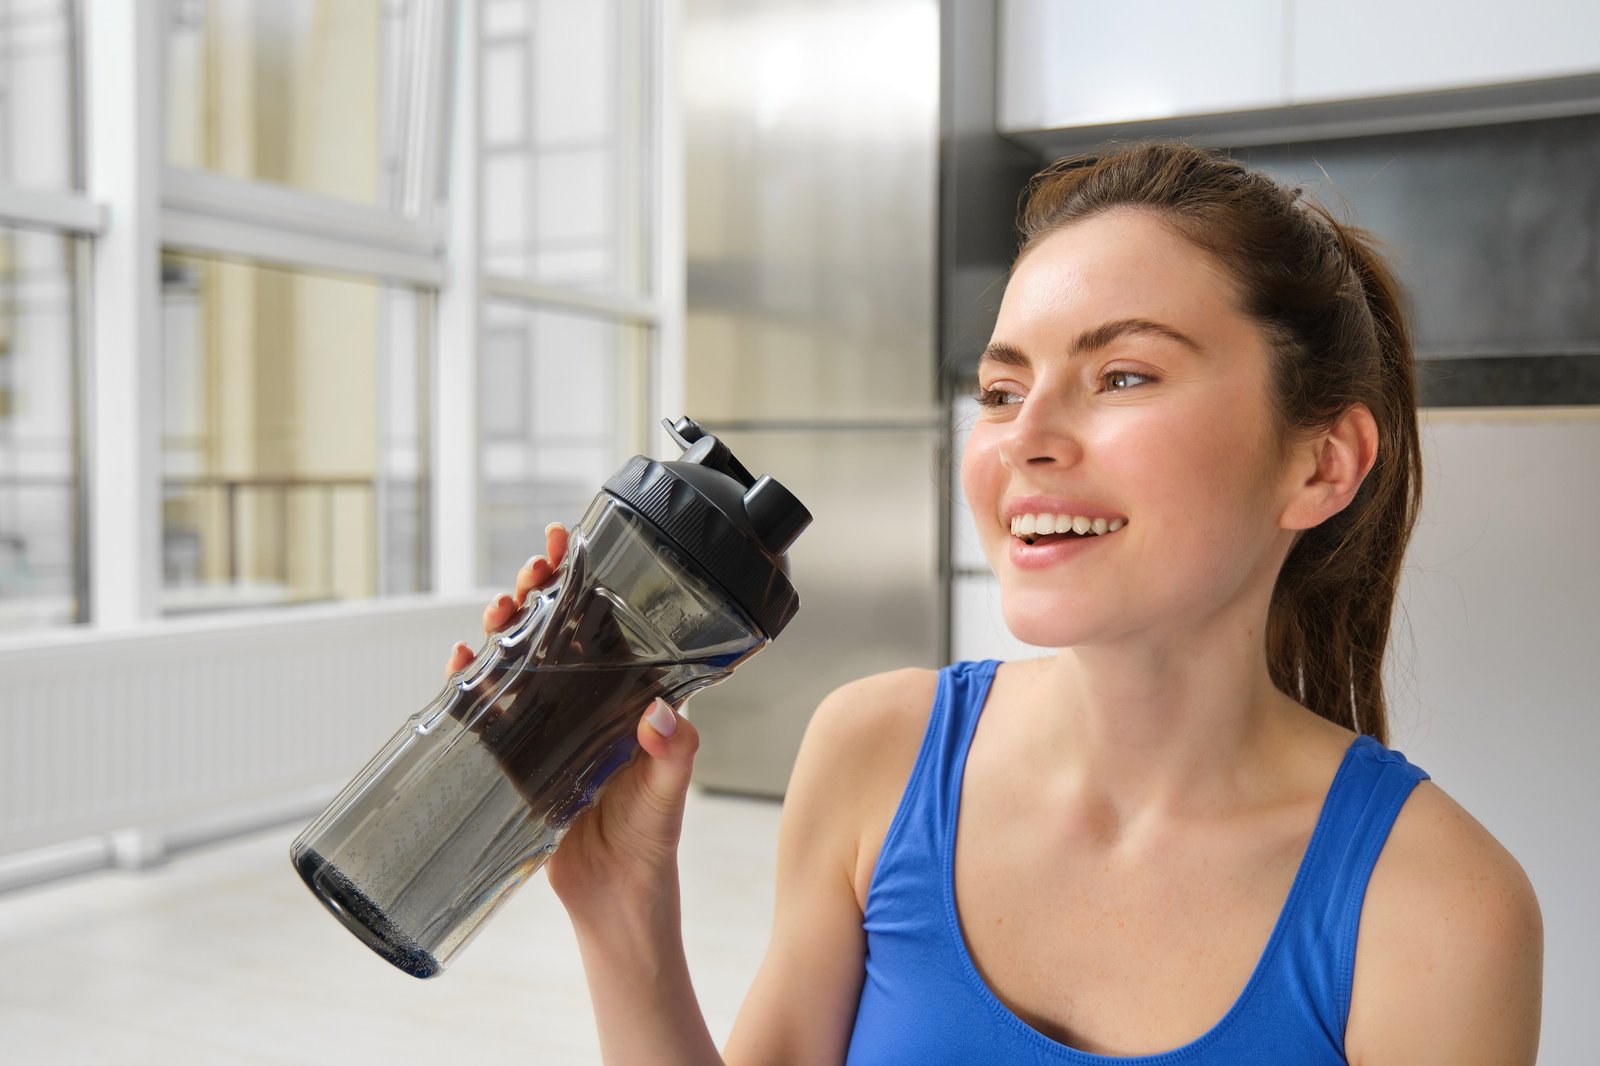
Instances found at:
x=560 y=396
x=38 y=400
x=37 y=103
x=566 y=141
x=293 y=443
x=314 y=94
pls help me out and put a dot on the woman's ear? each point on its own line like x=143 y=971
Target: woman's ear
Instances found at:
x=1330 y=467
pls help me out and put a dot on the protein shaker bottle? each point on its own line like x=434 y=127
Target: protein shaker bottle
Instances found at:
x=675 y=575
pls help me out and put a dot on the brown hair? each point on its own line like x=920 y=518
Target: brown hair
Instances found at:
x=1329 y=309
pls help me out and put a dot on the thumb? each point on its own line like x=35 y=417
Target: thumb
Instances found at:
x=670 y=741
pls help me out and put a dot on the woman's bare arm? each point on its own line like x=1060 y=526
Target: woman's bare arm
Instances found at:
x=853 y=766
x=801 y=1008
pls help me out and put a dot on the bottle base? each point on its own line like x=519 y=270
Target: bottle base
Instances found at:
x=362 y=916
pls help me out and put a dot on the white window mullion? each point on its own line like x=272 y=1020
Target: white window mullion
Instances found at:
x=122 y=73
x=456 y=547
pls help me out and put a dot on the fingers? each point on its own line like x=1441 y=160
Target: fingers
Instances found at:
x=460 y=656
x=671 y=742
x=555 y=542
x=498 y=613
x=537 y=571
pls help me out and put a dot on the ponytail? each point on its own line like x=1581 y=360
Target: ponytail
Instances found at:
x=1328 y=626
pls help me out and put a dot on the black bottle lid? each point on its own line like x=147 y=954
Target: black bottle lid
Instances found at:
x=735 y=525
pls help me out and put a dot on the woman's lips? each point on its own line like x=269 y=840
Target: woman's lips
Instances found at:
x=1053 y=549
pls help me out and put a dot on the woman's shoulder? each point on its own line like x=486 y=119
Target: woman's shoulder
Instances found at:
x=1450 y=928
x=1440 y=859
x=863 y=719
x=858 y=753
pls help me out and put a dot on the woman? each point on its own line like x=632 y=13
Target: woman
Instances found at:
x=1178 y=839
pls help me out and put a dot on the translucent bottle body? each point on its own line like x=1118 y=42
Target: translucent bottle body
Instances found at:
x=467 y=800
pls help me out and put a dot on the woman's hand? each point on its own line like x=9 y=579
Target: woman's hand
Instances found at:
x=622 y=852
x=535 y=573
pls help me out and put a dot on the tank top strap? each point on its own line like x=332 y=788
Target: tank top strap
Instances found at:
x=1372 y=784
x=923 y=827
x=963 y=690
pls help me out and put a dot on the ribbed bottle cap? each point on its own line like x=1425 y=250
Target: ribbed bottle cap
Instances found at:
x=738 y=527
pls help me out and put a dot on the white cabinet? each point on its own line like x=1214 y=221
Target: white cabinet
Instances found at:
x=1080 y=63
x=1072 y=63
x=1348 y=49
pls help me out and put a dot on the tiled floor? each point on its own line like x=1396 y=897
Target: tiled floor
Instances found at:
x=221 y=956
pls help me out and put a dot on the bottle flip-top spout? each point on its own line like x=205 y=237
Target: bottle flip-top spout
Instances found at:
x=706 y=450
x=776 y=516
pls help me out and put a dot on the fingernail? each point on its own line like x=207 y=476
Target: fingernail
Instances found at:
x=552 y=525
x=531 y=560
x=460 y=647
x=661 y=718
x=502 y=601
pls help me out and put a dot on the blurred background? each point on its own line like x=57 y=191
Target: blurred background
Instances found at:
x=313 y=313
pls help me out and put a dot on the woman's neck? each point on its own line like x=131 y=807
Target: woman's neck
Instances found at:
x=1182 y=725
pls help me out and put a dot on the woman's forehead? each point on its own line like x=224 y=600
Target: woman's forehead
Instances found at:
x=1117 y=265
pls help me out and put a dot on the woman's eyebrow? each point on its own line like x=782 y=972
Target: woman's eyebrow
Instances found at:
x=1090 y=340
x=1104 y=334
x=1004 y=355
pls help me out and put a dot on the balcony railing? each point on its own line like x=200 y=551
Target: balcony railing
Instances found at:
x=258 y=527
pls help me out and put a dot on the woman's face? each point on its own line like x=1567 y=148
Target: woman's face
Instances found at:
x=1123 y=385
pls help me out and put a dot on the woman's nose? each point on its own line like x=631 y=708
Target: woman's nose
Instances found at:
x=1041 y=434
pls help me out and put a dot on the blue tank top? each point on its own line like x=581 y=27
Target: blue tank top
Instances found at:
x=924 y=1002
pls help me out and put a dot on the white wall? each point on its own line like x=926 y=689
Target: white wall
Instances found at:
x=1494 y=674
x=1497 y=696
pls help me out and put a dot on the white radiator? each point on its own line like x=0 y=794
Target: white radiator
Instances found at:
x=117 y=747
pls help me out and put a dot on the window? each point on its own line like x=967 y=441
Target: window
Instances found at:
x=565 y=142
x=40 y=541
x=38 y=104
x=574 y=327
x=298 y=284
x=269 y=418
x=292 y=463
x=317 y=95
x=558 y=398
x=41 y=547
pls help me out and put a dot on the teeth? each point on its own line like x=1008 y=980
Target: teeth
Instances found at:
x=1031 y=525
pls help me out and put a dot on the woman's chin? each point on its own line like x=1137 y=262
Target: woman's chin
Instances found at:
x=1043 y=632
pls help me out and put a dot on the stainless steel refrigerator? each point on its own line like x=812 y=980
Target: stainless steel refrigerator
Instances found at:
x=812 y=170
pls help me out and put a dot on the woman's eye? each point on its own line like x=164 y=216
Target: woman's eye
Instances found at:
x=988 y=397
x=1119 y=380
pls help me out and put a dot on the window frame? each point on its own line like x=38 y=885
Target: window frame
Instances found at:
x=132 y=206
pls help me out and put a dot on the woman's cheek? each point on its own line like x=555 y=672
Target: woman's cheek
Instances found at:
x=982 y=480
